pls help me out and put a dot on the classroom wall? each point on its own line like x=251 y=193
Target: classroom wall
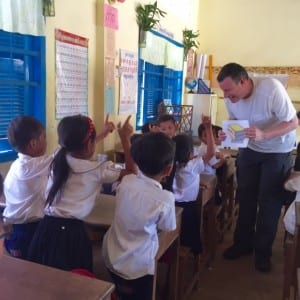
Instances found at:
x=85 y=18
x=261 y=35
x=90 y=14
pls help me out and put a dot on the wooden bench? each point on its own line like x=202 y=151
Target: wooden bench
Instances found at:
x=227 y=209
x=292 y=259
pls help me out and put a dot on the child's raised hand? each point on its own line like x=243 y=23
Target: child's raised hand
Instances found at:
x=108 y=126
x=125 y=130
x=206 y=120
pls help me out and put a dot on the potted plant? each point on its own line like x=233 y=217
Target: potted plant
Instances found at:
x=147 y=17
x=189 y=41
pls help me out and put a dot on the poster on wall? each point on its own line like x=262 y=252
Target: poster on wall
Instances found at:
x=71 y=74
x=128 y=82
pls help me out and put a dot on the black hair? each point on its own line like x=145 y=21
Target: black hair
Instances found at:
x=134 y=137
x=298 y=114
x=153 y=152
x=22 y=130
x=73 y=134
x=216 y=129
x=145 y=128
x=184 y=149
x=201 y=129
x=233 y=70
x=166 y=118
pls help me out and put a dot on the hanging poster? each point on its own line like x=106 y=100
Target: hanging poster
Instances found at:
x=71 y=74
x=128 y=82
x=111 y=17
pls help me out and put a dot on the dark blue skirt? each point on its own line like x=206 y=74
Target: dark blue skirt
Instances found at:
x=61 y=243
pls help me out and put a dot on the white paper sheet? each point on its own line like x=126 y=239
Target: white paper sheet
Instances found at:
x=234 y=130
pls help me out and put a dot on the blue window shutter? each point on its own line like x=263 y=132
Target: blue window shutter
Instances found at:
x=22 y=82
x=156 y=83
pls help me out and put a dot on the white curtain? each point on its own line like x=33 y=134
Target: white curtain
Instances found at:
x=22 y=16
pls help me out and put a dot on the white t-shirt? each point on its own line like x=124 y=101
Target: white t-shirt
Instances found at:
x=268 y=106
x=82 y=187
x=209 y=166
x=187 y=179
x=289 y=219
x=131 y=243
x=24 y=189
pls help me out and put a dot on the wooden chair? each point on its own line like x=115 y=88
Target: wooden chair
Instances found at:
x=292 y=259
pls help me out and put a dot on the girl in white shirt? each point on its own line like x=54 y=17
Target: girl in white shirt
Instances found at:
x=186 y=184
x=60 y=240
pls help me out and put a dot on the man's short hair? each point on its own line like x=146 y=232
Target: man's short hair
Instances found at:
x=233 y=70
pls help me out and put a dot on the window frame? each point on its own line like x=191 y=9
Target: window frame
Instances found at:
x=156 y=83
x=31 y=99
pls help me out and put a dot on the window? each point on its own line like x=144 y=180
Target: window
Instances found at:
x=159 y=79
x=22 y=82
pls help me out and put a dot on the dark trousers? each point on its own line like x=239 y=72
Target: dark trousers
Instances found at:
x=18 y=241
x=190 y=226
x=135 y=289
x=260 y=195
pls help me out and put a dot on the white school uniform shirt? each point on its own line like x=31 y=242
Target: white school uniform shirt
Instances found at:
x=131 y=243
x=289 y=219
x=84 y=183
x=208 y=169
x=24 y=189
x=187 y=179
x=268 y=105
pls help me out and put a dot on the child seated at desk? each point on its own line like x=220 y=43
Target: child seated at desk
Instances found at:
x=75 y=181
x=142 y=208
x=25 y=183
x=219 y=159
x=186 y=184
x=167 y=124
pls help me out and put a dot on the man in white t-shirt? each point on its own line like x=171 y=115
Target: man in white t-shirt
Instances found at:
x=263 y=166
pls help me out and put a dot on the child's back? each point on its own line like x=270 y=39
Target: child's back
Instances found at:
x=61 y=240
x=186 y=185
x=25 y=183
x=131 y=243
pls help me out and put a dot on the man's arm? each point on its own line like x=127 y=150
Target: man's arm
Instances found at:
x=271 y=132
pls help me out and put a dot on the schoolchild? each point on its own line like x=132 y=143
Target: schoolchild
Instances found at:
x=167 y=124
x=74 y=183
x=142 y=208
x=186 y=184
x=25 y=183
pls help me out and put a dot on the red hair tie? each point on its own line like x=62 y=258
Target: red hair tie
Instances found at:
x=90 y=130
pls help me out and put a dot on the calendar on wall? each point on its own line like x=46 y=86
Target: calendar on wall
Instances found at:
x=71 y=74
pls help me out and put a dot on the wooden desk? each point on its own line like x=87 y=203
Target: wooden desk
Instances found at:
x=20 y=279
x=102 y=217
x=208 y=217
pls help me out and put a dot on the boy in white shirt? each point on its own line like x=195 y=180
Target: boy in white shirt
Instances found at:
x=143 y=207
x=25 y=183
